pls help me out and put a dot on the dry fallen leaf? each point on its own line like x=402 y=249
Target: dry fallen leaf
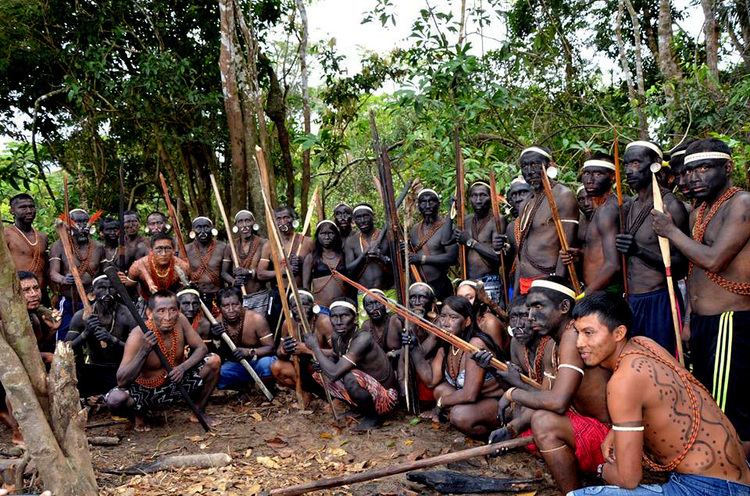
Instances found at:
x=248 y=452
x=408 y=442
x=337 y=452
x=267 y=462
x=276 y=442
x=326 y=435
x=256 y=416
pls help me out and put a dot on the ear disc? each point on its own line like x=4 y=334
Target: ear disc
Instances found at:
x=256 y=227
x=316 y=309
x=235 y=229
x=167 y=227
x=295 y=224
x=655 y=167
x=552 y=172
x=191 y=235
x=92 y=229
x=215 y=232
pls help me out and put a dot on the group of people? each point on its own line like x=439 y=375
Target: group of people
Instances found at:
x=592 y=371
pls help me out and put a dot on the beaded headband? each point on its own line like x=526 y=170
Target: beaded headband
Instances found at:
x=694 y=157
x=541 y=283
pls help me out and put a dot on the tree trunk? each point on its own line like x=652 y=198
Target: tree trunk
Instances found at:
x=641 y=85
x=305 y=186
x=233 y=109
x=47 y=408
x=711 y=31
x=667 y=65
x=276 y=111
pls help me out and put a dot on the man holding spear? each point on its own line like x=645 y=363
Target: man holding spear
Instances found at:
x=718 y=277
x=647 y=284
x=206 y=257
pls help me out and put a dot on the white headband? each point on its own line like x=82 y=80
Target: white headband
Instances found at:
x=694 y=157
x=581 y=187
x=78 y=210
x=344 y=304
x=541 y=283
x=418 y=284
x=302 y=292
x=480 y=183
x=189 y=291
x=99 y=278
x=378 y=291
x=535 y=149
x=326 y=221
x=646 y=144
x=342 y=204
x=361 y=207
x=599 y=163
x=424 y=191
x=238 y=213
x=677 y=153
x=468 y=282
x=518 y=180
x=202 y=217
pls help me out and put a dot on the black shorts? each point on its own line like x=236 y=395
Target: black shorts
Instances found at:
x=720 y=347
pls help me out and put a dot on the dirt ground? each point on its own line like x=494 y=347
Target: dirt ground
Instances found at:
x=276 y=444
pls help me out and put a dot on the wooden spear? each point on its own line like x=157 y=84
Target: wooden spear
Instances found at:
x=559 y=228
x=378 y=473
x=666 y=257
x=430 y=327
x=498 y=225
x=67 y=245
x=618 y=188
x=230 y=238
x=308 y=219
x=460 y=200
x=230 y=344
x=173 y=217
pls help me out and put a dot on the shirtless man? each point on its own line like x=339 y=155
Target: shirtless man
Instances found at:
x=538 y=245
x=283 y=369
x=569 y=423
x=662 y=417
x=366 y=262
x=431 y=244
x=342 y=216
x=104 y=334
x=481 y=260
x=189 y=301
x=647 y=284
x=296 y=247
x=27 y=246
x=206 y=258
x=249 y=247
x=143 y=384
x=358 y=372
x=88 y=254
x=109 y=229
x=518 y=192
x=156 y=222
x=160 y=270
x=136 y=246
x=601 y=260
x=250 y=333
x=586 y=207
x=718 y=279
x=384 y=327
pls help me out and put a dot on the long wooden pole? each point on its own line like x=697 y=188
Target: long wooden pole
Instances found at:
x=230 y=344
x=430 y=327
x=560 y=231
x=378 y=473
x=460 y=200
x=230 y=238
x=308 y=219
x=67 y=245
x=173 y=217
x=498 y=225
x=618 y=188
x=666 y=257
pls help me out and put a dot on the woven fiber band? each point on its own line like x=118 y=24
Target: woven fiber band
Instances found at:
x=344 y=304
x=694 y=157
x=541 y=283
x=598 y=163
x=646 y=144
x=535 y=149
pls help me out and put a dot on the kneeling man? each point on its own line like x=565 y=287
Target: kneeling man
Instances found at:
x=143 y=384
x=358 y=372
x=662 y=417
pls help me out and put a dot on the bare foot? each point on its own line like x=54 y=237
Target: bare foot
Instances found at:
x=141 y=425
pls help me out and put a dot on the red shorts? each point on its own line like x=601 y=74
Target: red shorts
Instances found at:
x=589 y=435
x=424 y=393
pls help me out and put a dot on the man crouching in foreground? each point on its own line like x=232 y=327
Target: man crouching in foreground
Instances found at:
x=662 y=417
x=143 y=384
x=358 y=371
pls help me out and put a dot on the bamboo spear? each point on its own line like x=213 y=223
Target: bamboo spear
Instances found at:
x=430 y=327
x=230 y=238
x=173 y=217
x=460 y=200
x=378 y=473
x=666 y=257
x=559 y=228
x=618 y=187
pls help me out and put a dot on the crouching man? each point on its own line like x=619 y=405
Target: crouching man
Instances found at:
x=662 y=417
x=358 y=372
x=143 y=384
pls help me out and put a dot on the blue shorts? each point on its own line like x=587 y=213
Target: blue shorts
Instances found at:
x=234 y=375
x=652 y=317
x=678 y=485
